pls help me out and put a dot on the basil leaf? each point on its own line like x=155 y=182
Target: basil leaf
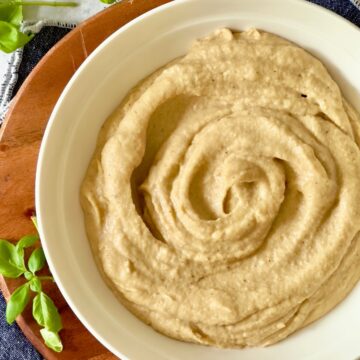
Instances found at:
x=17 y=302
x=37 y=260
x=11 y=14
x=11 y=38
x=35 y=284
x=52 y=339
x=24 y=242
x=11 y=264
x=45 y=312
x=27 y=241
x=108 y=1
x=28 y=275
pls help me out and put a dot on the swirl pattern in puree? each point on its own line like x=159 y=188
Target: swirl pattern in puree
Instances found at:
x=223 y=200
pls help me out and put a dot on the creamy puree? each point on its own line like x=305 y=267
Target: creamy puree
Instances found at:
x=223 y=199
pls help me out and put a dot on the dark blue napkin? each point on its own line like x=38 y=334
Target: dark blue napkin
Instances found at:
x=13 y=344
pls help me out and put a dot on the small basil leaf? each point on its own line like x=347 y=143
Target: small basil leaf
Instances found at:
x=27 y=241
x=108 y=1
x=52 y=340
x=28 y=275
x=17 y=302
x=11 y=264
x=24 y=242
x=35 y=284
x=11 y=14
x=45 y=312
x=11 y=38
x=37 y=260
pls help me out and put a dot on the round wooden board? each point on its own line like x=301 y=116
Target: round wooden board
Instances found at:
x=20 y=139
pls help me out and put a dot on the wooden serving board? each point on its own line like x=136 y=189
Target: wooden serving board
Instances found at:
x=20 y=138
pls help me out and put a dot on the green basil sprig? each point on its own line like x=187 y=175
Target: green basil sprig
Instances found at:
x=11 y=16
x=12 y=265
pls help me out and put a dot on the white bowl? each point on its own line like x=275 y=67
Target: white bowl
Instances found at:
x=108 y=73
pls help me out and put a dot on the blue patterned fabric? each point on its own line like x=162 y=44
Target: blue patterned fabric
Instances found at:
x=13 y=344
x=342 y=7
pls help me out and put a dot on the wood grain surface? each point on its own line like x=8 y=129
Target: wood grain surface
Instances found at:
x=20 y=138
